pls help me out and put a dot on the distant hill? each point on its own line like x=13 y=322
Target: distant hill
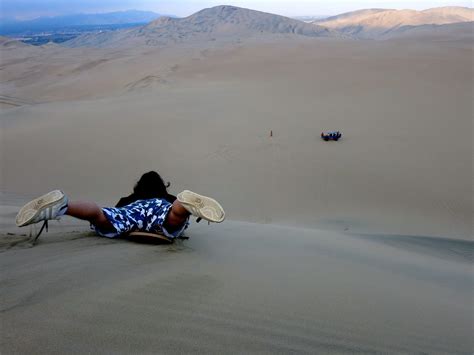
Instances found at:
x=6 y=42
x=353 y=14
x=462 y=31
x=64 y=22
x=379 y=23
x=208 y=24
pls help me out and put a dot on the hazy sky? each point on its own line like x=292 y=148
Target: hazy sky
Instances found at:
x=36 y=8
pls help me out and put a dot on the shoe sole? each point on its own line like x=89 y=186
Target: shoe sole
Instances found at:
x=33 y=208
x=202 y=206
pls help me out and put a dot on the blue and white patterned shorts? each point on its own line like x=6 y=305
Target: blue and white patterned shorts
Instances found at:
x=143 y=215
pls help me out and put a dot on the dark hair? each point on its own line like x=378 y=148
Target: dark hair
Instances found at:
x=151 y=185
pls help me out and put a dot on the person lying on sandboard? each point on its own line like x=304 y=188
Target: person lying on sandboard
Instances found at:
x=152 y=215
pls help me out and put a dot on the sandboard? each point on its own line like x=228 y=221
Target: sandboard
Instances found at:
x=150 y=237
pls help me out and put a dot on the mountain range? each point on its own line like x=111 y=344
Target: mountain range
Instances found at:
x=132 y=28
x=62 y=22
x=208 y=24
x=387 y=23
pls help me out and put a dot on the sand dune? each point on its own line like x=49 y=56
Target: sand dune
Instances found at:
x=403 y=166
x=216 y=23
x=357 y=246
x=380 y=23
x=51 y=73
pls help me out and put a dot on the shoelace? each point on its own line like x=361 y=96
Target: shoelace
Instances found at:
x=199 y=219
x=45 y=225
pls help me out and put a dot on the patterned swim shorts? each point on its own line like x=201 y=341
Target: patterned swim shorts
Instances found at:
x=143 y=215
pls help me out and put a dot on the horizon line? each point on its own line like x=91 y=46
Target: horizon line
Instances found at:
x=247 y=8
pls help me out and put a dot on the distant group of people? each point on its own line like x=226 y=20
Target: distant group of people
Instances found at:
x=334 y=135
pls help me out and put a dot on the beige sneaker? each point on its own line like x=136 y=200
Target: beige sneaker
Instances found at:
x=202 y=206
x=44 y=208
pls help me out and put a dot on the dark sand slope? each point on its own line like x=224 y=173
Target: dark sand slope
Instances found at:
x=245 y=287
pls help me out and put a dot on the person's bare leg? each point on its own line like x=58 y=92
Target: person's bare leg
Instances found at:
x=89 y=211
x=176 y=217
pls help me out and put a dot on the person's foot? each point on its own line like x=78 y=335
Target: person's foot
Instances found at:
x=44 y=208
x=202 y=206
